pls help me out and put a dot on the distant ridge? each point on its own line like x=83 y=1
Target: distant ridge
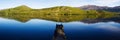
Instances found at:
x=62 y=10
x=22 y=7
x=24 y=13
x=85 y=7
x=106 y=8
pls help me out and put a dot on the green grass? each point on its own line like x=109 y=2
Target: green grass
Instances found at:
x=58 y=14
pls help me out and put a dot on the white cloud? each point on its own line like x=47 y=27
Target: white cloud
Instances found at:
x=48 y=3
x=93 y=2
x=107 y=2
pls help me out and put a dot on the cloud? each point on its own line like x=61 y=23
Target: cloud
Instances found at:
x=110 y=3
x=51 y=3
x=107 y=2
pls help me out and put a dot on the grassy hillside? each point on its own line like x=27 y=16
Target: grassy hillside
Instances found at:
x=59 y=13
x=63 y=10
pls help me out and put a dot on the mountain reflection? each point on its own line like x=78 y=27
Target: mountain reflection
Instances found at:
x=59 y=33
x=113 y=19
x=67 y=18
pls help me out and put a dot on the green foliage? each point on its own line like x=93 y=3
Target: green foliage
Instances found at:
x=59 y=13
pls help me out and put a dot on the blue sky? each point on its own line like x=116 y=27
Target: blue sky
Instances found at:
x=51 y=3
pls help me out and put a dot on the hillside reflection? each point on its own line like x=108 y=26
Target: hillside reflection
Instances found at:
x=113 y=19
x=66 y=18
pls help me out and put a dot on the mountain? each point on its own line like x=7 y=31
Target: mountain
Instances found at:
x=58 y=10
x=94 y=7
x=18 y=9
x=53 y=10
x=22 y=7
x=59 y=13
x=63 y=10
x=117 y=7
x=114 y=9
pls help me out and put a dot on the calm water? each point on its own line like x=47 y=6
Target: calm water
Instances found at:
x=38 y=29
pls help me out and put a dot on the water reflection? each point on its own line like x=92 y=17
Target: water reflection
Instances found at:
x=59 y=33
x=113 y=19
x=64 y=18
x=38 y=29
x=69 y=18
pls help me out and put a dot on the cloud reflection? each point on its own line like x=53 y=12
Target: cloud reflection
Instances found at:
x=109 y=28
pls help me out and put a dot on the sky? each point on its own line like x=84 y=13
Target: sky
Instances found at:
x=38 y=4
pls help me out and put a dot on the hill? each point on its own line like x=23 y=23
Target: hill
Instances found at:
x=59 y=13
x=105 y=8
x=59 y=10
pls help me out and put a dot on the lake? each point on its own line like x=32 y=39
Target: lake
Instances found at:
x=43 y=29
